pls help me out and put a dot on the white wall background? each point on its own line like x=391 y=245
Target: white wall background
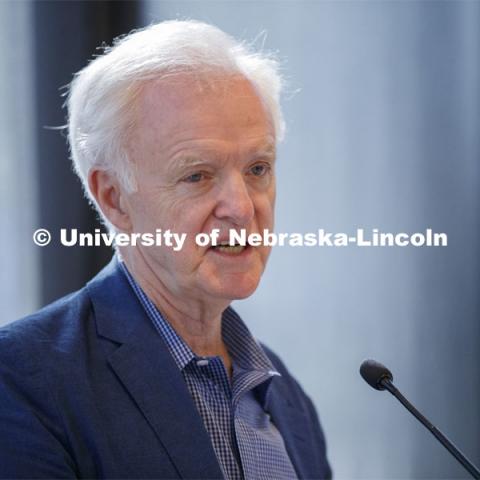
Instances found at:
x=384 y=133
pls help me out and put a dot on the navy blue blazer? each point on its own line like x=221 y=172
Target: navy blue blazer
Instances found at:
x=88 y=389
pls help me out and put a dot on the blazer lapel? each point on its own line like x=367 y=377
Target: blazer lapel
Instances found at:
x=145 y=367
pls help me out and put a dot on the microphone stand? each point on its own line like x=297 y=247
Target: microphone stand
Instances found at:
x=469 y=466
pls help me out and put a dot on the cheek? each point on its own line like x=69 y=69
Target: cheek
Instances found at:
x=264 y=253
x=265 y=207
x=159 y=210
x=193 y=215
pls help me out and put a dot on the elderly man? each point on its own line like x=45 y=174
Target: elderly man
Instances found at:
x=147 y=372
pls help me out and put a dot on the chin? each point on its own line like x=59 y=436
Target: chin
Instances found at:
x=239 y=289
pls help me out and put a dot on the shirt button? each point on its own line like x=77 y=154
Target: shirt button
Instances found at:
x=203 y=362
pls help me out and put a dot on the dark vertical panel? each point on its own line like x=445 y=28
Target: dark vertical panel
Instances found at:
x=66 y=35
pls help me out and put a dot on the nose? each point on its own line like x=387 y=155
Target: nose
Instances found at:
x=235 y=203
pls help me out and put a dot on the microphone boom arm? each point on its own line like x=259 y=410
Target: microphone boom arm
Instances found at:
x=467 y=464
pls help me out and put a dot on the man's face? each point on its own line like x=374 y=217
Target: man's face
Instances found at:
x=204 y=158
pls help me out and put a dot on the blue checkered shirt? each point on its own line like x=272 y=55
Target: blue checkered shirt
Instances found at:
x=246 y=442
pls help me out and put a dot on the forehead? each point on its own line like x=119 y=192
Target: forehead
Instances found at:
x=213 y=109
x=204 y=92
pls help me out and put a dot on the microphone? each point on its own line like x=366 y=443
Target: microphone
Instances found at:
x=379 y=377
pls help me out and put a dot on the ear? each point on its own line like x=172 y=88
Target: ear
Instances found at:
x=109 y=196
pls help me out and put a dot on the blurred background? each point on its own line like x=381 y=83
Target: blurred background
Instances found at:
x=383 y=117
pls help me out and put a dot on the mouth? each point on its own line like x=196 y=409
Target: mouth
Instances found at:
x=225 y=248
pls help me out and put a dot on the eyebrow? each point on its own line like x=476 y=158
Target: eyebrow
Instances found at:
x=267 y=150
x=188 y=159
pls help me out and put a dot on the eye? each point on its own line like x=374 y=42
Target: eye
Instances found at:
x=194 y=178
x=260 y=169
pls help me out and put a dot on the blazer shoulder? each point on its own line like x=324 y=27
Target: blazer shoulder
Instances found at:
x=35 y=441
x=26 y=342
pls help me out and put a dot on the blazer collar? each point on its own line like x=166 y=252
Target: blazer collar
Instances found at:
x=147 y=370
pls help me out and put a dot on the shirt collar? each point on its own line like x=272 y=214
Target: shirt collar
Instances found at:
x=244 y=349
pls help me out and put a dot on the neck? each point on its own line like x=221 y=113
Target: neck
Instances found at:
x=196 y=321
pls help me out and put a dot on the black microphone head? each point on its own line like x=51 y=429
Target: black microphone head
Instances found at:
x=374 y=373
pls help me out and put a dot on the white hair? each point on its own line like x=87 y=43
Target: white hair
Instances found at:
x=102 y=94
